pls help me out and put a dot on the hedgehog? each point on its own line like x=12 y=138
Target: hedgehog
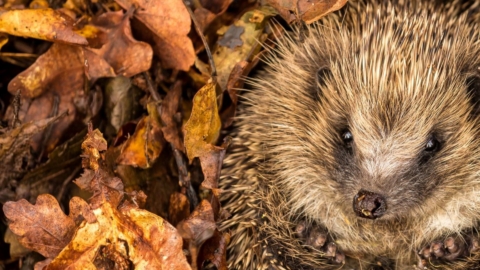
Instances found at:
x=358 y=145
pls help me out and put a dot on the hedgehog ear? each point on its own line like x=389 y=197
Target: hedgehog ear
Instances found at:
x=473 y=88
x=322 y=73
x=320 y=77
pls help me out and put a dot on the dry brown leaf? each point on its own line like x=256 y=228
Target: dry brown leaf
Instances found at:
x=93 y=146
x=38 y=4
x=169 y=22
x=46 y=24
x=42 y=264
x=211 y=166
x=204 y=17
x=170 y=104
x=198 y=228
x=200 y=225
x=145 y=145
x=210 y=10
x=121 y=104
x=63 y=64
x=134 y=199
x=50 y=177
x=122 y=234
x=96 y=37
x=137 y=235
x=179 y=208
x=126 y=55
x=103 y=186
x=306 y=10
x=95 y=179
x=215 y=250
x=42 y=227
x=203 y=126
x=56 y=81
x=80 y=210
x=108 y=234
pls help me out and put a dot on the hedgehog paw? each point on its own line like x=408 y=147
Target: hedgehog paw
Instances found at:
x=450 y=249
x=316 y=238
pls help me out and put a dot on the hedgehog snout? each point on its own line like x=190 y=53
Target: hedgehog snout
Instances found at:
x=368 y=204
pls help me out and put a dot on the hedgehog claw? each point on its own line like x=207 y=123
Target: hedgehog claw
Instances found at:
x=316 y=238
x=450 y=249
x=313 y=236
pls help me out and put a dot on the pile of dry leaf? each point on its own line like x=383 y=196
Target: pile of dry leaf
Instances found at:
x=112 y=111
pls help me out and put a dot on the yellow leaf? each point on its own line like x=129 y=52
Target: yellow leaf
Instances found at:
x=47 y=24
x=145 y=145
x=203 y=127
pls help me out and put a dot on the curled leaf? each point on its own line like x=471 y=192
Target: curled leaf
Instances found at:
x=144 y=146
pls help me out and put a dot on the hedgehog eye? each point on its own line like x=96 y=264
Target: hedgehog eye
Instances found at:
x=432 y=145
x=347 y=137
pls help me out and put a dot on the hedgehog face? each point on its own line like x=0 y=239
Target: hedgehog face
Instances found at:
x=395 y=154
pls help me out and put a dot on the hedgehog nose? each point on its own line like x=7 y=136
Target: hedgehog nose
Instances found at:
x=367 y=204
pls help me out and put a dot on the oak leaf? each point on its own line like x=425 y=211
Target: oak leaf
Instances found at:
x=42 y=227
x=169 y=22
x=142 y=238
x=126 y=55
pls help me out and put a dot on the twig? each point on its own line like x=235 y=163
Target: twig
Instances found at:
x=207 y=48
x=48 y=131
x=11 y=54
x=152 y=88
x=67 y=181
x=16 y=107
x=184 y=178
